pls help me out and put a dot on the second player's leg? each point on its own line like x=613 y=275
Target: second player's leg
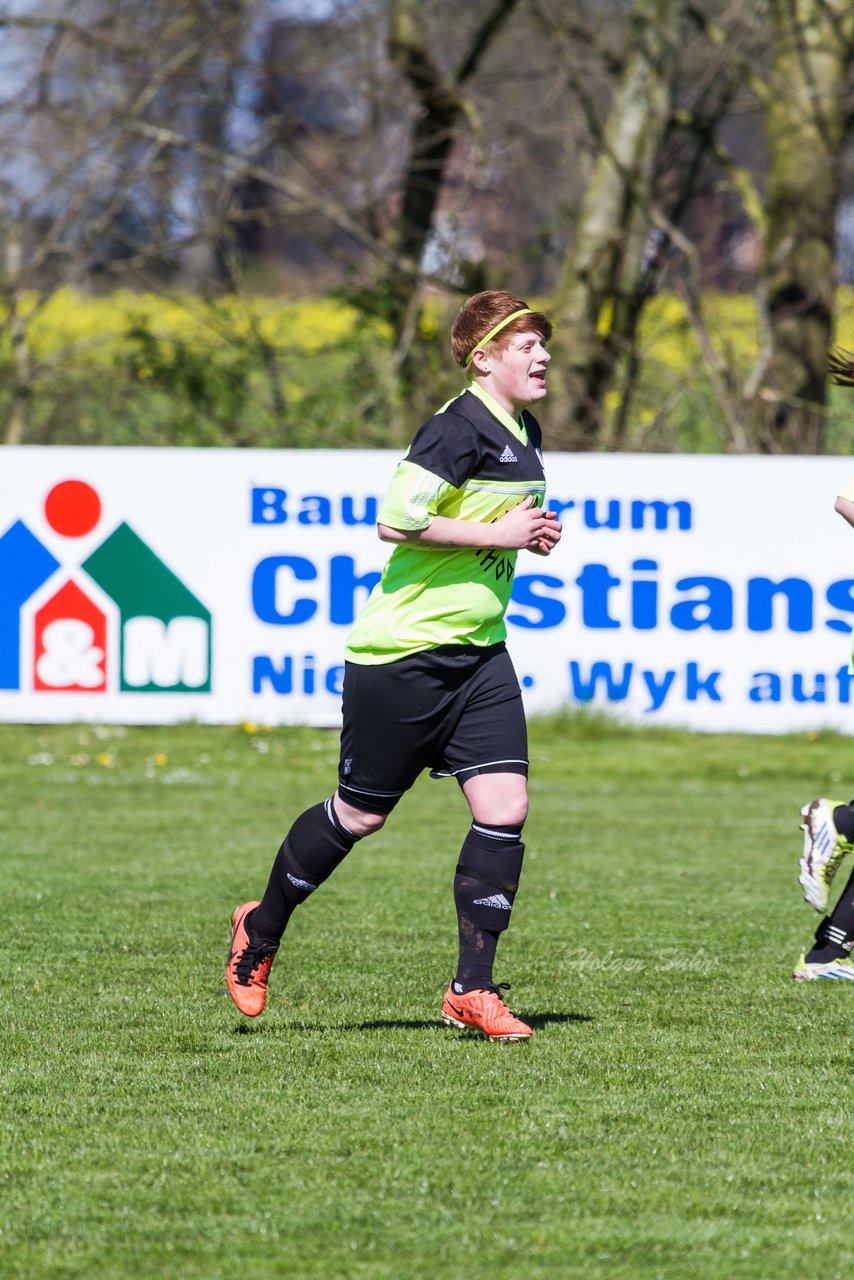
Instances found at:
x=828 y=828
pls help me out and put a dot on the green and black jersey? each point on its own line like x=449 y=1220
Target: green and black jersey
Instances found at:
x=471 y=461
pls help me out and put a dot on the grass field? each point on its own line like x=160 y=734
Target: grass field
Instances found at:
x=684 y=1109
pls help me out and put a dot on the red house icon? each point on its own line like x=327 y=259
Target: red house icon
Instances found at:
x=70 y=643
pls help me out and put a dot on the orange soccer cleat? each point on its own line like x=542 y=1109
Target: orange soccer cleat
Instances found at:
x=249 y=963
x=484 y=1010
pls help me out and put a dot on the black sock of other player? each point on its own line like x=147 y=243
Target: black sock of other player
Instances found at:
x=835 y=934
x=485 y=885
x=316 y=843
x=843 y=820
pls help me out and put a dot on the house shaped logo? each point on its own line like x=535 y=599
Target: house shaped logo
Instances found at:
x=120 y=621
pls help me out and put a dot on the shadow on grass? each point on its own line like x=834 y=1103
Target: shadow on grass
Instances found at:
x=538 y=1021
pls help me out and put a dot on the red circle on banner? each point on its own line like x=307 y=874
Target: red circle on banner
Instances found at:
x=72 y=508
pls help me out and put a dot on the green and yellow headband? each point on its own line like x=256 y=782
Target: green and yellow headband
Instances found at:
x=502 y=324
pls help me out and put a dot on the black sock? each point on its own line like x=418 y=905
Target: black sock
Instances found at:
x=315 y=845
x=843 y=820
x=485 y=885
x=835 y=935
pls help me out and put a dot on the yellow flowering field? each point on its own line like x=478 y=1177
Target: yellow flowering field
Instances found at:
x=71 y=321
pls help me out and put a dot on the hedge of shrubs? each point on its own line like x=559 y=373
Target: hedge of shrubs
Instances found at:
x=145 y=369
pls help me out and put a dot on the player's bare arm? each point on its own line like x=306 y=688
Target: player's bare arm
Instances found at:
x=525 y=527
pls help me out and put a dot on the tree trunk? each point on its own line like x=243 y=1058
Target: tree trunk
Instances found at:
x=440 y=107
x=806 y=127
x=607 y=257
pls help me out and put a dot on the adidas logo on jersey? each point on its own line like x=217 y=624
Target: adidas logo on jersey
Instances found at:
x=508 y=455
x=495 y=900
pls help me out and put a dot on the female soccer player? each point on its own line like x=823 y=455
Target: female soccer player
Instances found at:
x=428 y=681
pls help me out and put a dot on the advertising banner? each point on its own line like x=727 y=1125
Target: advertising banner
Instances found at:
x=147 y=586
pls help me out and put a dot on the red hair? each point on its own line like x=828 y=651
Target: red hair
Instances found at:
x=482 y=312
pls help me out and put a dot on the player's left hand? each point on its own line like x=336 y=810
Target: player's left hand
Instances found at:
x=551 y=535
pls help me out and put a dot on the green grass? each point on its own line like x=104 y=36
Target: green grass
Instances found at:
x=683 y=1110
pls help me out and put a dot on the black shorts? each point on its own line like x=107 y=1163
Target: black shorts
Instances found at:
x=456 y=710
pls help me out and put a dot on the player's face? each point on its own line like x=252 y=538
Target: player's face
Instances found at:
x=517 y=377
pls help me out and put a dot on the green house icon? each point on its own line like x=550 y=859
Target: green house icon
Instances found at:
x=165 y=629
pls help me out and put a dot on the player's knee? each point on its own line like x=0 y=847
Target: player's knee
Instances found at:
x=358 y=822
x=512 y=814
x=365 y=824
x=500 y=798
x=503 y=815
x=514 y=802
x=510 y=810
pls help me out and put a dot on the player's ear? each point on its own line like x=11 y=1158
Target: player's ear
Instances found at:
x=480 y=360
